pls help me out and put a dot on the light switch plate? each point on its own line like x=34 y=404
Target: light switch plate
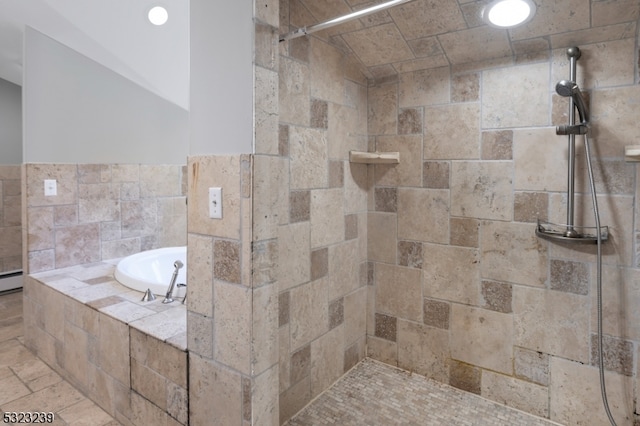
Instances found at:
x=215 y=203
x=50 y=187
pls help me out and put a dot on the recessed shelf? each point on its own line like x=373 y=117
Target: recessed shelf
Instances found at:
x=374 y=157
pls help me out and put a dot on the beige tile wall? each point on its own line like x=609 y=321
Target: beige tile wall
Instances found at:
x=220 y=294
x=104 y=343
x=102 y=211
x=321 y=239
x=463 y=291
x=10 y=218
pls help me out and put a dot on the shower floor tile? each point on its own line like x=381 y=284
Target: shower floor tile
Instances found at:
x=373 y=393
x=28 y=384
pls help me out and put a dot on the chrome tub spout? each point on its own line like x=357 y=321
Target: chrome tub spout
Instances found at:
x=168 y=298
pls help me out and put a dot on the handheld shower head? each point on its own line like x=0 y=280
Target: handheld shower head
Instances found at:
x=568 y=88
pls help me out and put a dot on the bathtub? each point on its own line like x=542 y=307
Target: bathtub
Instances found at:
x=153 y=270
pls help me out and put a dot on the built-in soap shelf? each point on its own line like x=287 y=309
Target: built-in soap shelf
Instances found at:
x=374 y=157
x=632 y=153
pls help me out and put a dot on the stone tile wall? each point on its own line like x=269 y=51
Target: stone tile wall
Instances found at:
x=318 y=231
x=462 y=289
x=10 y=218
x=128 y=356
x=102 y=211
x=220 y=296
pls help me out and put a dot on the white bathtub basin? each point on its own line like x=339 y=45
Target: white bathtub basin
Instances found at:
x=153 y=270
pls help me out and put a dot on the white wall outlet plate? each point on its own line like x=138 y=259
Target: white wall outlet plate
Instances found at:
x=50 y=187
x=215 y=203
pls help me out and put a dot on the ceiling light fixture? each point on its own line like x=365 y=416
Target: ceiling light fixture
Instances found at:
x=158 y=15
x=508 y=13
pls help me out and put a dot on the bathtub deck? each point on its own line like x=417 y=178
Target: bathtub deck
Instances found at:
x=94 y=285
x=373 y=393
x=98 y=334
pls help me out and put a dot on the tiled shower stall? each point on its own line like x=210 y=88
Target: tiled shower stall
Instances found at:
x=432 y=264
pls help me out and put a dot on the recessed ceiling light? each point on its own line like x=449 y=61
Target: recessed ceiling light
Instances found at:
x=508 y=13
x=158 y=15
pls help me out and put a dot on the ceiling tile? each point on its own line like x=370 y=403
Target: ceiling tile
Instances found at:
x=421 y=64
x=608 y=12
x=426 y=34
x=326 y=9
x=379 y=45
x=553 y=17
x=427 y=46
x=423 y=18
x=475 y=44
x=473 y=13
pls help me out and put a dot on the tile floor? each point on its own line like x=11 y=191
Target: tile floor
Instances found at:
x=28 y=385
x=373 y=393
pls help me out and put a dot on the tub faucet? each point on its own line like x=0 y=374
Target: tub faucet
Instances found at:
x=184 y=299
x=168 y=298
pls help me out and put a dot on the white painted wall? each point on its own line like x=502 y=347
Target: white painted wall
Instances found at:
x=10 y=123
x=221 y=84
x=78 y=111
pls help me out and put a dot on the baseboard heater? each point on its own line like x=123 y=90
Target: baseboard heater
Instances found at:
x=10 y=280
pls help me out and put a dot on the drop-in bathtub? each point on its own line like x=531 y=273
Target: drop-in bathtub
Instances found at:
x=153 y=270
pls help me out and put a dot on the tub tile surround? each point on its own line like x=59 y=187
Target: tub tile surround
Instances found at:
x=101 y=212
x=10 y=218
x=128 y=356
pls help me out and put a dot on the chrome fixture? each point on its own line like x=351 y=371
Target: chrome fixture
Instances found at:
x=184 y=299
x=168 y=298
x=569 y=232
x=568 y=88
x=303 y=31
x=148 y=296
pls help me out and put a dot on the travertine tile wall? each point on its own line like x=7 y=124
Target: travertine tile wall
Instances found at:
x=319 y=228
x=219 y=292
x=95 y=333
x=277 y=288
x=10 y=218
x=95 y=357
x=102 y=211
x=463 y=291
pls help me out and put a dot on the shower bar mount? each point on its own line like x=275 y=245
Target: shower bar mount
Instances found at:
x=569 y=232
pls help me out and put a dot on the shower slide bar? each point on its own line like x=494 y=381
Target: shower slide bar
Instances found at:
x=341 y=20
x=569 y=232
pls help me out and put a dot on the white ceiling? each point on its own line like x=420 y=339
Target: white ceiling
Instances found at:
x=114 y=33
